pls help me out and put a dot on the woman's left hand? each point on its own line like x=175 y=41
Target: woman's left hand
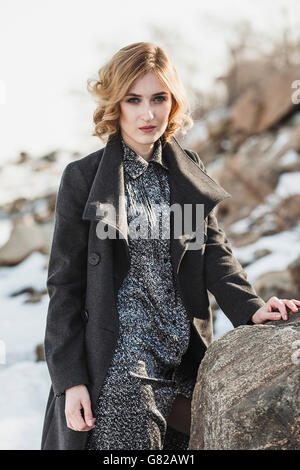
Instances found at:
x=266 y=313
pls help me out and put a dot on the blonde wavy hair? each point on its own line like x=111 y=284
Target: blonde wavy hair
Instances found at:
x=116 y=77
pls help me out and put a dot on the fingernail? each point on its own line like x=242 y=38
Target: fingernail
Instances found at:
x=90 y=422
x=277 y=315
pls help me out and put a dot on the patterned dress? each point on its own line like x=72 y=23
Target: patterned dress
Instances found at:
x=142 y=381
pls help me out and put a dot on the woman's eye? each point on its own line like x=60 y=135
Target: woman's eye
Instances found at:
x=163 y=98
x=160 y=99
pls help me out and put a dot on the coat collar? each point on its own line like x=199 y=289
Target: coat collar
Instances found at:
x=188 y=184
x=135 y=164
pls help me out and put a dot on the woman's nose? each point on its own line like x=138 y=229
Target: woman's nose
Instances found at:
x=147 y=112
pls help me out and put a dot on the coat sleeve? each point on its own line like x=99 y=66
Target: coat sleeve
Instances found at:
x=225 y=276
x=66 y=284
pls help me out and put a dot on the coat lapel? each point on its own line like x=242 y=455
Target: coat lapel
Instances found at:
x=188 y=185
x=108 y=188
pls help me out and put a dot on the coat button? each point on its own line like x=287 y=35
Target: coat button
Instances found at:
x=85 y=315
x=94 y=258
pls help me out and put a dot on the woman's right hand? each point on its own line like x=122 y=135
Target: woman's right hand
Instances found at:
x=78 y=397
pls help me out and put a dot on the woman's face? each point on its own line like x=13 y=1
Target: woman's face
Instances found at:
x=151 y=107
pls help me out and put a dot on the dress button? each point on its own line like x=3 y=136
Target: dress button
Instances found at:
x=165 y=260
x=94 y=259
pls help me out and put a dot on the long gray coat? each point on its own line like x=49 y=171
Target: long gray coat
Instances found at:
x=85 y=273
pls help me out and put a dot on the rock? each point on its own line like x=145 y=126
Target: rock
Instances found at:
x=260 y=253
x=34 y=295
x=264 y=103
x=244 y=74
x=252 y=176
x=247 y=181
x=244 y=112
x=247 y=391
x=17 y=205
x=217 y=123
x=26 y=237
x=279 y=283
x=294 y=269
x=288 y=212
x=40 y=352
x=23 y=158
x=243 y=239
x=294 y=141
x=50 y=157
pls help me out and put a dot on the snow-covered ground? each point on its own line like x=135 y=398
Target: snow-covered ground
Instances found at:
x=22 y=324
x=278 y=260
x=24 y=389
x=24 y=383
x=31 y=179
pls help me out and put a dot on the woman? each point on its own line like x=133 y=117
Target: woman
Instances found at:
x=129 y=319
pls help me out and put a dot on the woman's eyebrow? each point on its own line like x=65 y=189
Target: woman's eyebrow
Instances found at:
x=154 y=94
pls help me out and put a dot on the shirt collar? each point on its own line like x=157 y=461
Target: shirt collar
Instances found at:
x=135 y=164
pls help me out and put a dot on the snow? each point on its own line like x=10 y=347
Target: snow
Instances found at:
x=196 y=134
x=24 y=383
x=289 y=158
x=29 y=181
x=288 y=184
x=278 y=260
x=241 y=226
x=221 y=324
x=24 y=388
x=27 y=320
x=5 y=230
x=282 y=139
x=217 y=115
x=280 y=257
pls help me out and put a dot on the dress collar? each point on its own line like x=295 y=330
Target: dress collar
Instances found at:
x=135 y=164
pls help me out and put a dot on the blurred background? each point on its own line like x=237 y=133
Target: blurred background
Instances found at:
x=240 y=63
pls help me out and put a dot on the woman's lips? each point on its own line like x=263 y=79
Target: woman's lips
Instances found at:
x=147 y=129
